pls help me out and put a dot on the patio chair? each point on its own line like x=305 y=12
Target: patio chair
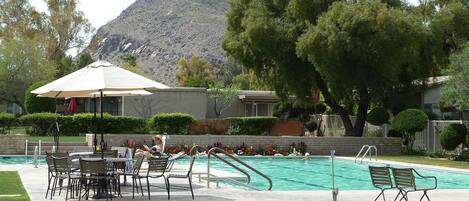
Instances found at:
x=51 y=170
x=63 y=171
x=187 y=176
x=173 y=158
x=156 y=169
x=381 y=179
x=134 y=174
x=93 y=171
x=404 y=179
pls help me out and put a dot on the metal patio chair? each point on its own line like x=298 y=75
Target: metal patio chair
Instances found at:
x=156 y=169
x=137 y=164
x=187 y=176
x=381 y=179
x=63 y=171
x=404 y=179
x=92 y=172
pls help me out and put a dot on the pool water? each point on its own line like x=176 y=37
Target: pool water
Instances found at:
x=293 y=174
x=296 y=174
x=16 y=160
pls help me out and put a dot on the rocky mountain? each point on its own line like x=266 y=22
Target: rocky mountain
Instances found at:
x=161 y=32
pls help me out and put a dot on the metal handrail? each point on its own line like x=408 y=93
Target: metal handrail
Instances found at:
x=367 y=148
x=198 y=147
x=215 y=150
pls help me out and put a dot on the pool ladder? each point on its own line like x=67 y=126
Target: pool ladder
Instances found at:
x=367 y=150
x=210 y=178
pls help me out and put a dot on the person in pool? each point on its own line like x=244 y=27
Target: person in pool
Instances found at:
x=155 y=150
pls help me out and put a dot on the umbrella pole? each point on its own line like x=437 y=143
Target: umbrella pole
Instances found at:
x=95 y=129
x=101 y=124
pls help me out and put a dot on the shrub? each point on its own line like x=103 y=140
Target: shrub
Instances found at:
x=251 y=125
x=378 y=116
x=311 y=125
x=408 y=122
x=40 y=123
x=125 y=124
x=375 y=133
x=320 y=108
x=394 y=133
x=171 y=123
x=34 y=104
x=431 y=115
x=452 y=136
x=82 y=123
x=6 y=120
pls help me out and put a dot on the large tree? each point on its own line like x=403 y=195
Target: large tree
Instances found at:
x=22 y=62
x=195 y=72
x=361 y=49
x=263 y=36
x=66 y=29
x=456 y=90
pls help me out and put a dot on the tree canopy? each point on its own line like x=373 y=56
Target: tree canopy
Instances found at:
x=129 y=62
x=22 y=63
x=455 y=91
x=352 y=52
x=195 y=72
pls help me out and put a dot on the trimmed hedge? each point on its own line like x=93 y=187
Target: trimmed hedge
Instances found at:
x=452 y=136
x=6 y=121
x=171 y=123
x=251 y=125
x=42 y=123
x=410 y=121
x=34 y=104
x=378 y=116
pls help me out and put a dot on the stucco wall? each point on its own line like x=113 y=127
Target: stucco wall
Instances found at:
x=187 y=100
x=344 y=146
x=12 y=144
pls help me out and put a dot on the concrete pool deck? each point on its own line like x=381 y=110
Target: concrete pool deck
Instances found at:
x=35 y=182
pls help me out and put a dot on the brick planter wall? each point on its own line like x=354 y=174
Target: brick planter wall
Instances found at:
x=12 y=144
x=344 y=146
x=287 y=128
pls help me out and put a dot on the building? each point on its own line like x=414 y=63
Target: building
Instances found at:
x=198 y=102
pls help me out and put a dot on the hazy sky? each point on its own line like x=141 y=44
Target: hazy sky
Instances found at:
x=98 y=12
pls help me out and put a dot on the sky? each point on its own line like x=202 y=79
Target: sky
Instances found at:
x=98 y=12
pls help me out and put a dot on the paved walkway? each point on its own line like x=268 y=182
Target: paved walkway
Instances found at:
x=35 y=182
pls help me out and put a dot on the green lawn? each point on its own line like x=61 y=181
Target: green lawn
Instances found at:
x=51 y=139
x=425 y=160
x=10 y=183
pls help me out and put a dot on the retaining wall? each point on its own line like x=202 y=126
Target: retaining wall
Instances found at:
x=12 y=144
x=344 y=146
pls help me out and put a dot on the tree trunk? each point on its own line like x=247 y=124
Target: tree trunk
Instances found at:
x=351 y=129
x=362 y=112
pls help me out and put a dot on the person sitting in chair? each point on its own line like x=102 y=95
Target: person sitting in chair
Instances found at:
x=155 y=150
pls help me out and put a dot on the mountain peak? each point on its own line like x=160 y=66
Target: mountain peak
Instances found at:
x=160 y=32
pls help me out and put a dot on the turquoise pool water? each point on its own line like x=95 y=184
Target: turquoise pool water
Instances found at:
x=15 y=160
x=293 y=174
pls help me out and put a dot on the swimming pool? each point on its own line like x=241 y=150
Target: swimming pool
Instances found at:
x=20 y=160
x=296 y=174
x=293 y=174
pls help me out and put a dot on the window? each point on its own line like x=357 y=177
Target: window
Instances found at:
x=256 y=109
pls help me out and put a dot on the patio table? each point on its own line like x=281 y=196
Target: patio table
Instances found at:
x=83 y=153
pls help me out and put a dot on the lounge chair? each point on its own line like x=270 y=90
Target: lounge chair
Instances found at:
x=404 y=179
x=172 y=159
x=381 y=179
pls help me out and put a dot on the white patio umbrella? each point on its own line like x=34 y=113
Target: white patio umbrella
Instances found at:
x=101 y=78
